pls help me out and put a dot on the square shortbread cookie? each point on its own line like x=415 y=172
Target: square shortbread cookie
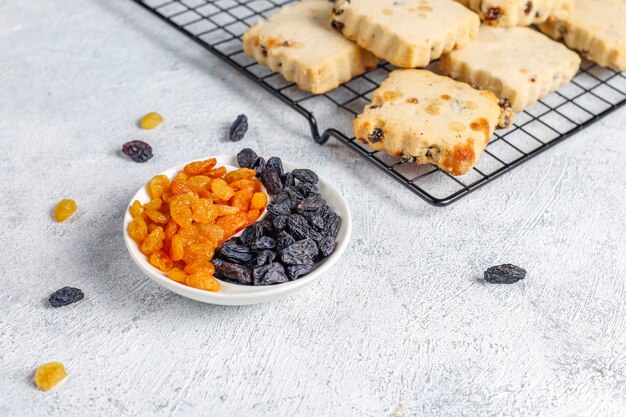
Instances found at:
x=507 y=13
x=429 y=118
x=519 y=64
x=596 y=28
x=407 y=33
x=299 y=43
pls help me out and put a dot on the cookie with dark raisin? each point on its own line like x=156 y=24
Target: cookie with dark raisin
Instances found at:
x=509 y=13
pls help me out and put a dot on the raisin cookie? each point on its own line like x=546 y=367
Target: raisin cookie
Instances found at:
x=596 y=28
x=299 y=43
x=428 y=118
x=508 y=13
x=519 y=64
x=407 y=33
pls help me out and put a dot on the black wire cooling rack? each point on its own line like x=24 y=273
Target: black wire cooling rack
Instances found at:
x=218 y=26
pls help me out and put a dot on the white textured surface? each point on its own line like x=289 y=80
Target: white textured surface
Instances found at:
x=402 y=325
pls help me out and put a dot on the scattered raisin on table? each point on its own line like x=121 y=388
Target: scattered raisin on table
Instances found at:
x=238 y=128
x=504 y=274
x=64 y=209
x=137 y=150
x=65 y=296
x=49 y=374
x=150 y=121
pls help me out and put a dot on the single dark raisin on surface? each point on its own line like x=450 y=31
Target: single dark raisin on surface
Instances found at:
x=271 y=181
x=233 y=272
x=246 y=158
x=305 y=175
x=299 y=253
x=137 y=150
x=273 y=273
x=65 y=296
x=275 y=164
x=504 y=274
x=336 y=25
x=238 y=128
x=528 y=8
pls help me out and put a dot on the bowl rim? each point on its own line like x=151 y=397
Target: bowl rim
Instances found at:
x=252 y=291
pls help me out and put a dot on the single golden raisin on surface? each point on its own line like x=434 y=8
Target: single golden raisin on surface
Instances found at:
x=64 y=209
x=49 y=374
x=203 y=280
x=150 y=121
x=158 y=185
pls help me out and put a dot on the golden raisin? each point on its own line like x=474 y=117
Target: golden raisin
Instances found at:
x=161 y=260
x=153 y=242
x=158 y=185
x=221 y=189
x=138 y=229
x=232 y=223
x=153 y=205
x=157 y=216
x=150 y=121
x=181 y=212
x=203 y=280
x=49 y=374
x=226 y=210
x=217 y=172
x=198 y=252
x=64 y=209
x=259 y=201
x=240 y=174
x=177 y=275
x=203 y=210
x=171 y=229
x=210 y=232
x=199 y=183
x=200 y=266
x=177 y=248
x=200 y=167
x=136 y=209
x=180 y=186
x=252 y=185
x=252 y=216
x=242 y=199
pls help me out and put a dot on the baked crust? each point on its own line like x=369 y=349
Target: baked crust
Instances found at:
x=508 y=13
x=428 y=118
x=408 y=33
x=595 y=28
x=538 y=65
x=299 y=43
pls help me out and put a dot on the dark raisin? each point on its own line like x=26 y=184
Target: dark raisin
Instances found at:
x=312 y=203
x=271 y=181
x=288 y=180
x=299 y=226
x=299 y=253
x=327 y=245
x=280 y=222
x=251 y=233
x=264 y=257
x=492 y=13
x=337 y=12
x=504 y=274
x=305 y=175
x=137 y=150
x=377 y=135
x=296 y=271
x=294 y=195
x=233 y=272
x=317 y=221
x=271 y=274
x=246 y=158
x=278 y=209
x=259 y=165
x=282 y=198
x=264 y=242
x=65 y=296
x=235 y=252
x=275 y=164
x=332 y=222
x=238 y=128
x=306 y=189
x=284 y=239
x=528 y=8
x=408 y=159
x=336 y=25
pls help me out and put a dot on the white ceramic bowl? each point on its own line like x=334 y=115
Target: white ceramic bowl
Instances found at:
x=234 y=294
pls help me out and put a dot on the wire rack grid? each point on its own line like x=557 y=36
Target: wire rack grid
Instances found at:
x=218 y=26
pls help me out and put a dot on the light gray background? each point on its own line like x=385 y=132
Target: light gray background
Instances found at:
x=402 y=325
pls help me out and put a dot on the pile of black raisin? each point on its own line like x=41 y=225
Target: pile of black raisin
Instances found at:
x=298 y=232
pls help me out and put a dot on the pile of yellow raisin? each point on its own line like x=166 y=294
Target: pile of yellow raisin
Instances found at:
x=189 y=217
